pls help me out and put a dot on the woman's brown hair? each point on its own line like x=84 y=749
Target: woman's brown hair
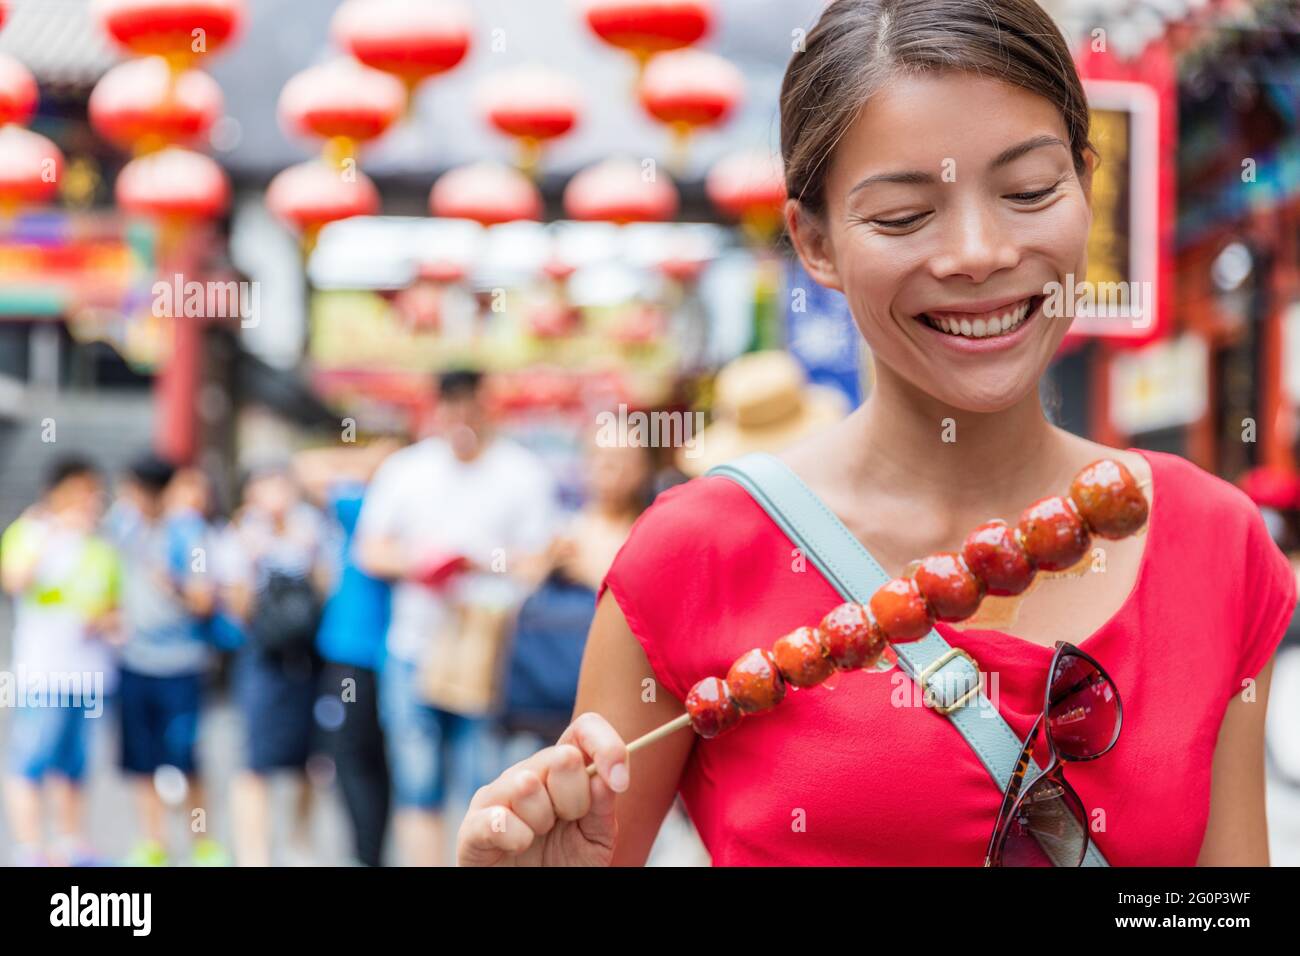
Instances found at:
x=859 y=44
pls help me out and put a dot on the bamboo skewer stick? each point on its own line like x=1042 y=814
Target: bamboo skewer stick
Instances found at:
x=674 y=725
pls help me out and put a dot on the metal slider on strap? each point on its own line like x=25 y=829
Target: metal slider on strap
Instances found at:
x=932 y=674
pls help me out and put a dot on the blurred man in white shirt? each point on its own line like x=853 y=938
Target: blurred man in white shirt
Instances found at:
x=450 y=521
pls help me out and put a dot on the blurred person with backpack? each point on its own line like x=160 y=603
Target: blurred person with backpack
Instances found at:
x=351 y=644
x=65 y=581
x=274 y=571
x=168 y=599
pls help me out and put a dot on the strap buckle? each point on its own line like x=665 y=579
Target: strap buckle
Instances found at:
x=938 y=664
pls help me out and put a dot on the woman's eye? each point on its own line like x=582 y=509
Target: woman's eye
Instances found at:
x=899 y=223
x=1032 y=197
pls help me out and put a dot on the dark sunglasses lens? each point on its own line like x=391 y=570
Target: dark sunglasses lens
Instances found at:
x=1049 y=828
x=1083 y=713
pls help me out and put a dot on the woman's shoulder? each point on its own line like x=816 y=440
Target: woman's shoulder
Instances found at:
x=708 y=513
x=693 y=533
x=1196 y=495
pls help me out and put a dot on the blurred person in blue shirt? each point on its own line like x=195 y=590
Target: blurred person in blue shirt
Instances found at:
x=351 y=642
x=159 y=526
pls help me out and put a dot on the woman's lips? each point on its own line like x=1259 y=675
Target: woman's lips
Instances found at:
x=984 y=327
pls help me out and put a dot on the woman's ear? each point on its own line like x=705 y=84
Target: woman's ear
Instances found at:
x=812 y=243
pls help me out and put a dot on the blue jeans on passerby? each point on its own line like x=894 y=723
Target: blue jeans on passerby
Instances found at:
x=429 y=750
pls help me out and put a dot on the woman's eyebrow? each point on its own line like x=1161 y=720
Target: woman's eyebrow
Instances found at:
x=1015 y=152
x=911 y=177
x=916 y=177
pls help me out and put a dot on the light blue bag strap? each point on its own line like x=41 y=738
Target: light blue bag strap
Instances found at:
x=856 y=575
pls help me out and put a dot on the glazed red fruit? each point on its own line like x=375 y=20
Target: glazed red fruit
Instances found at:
x=712 y=708
x=950 y=587
x=1109 y=499
x=1053 y=533
x=901 y=611
x=851 y=637
x=755 y=681
x=802 y=659
x=995 y=556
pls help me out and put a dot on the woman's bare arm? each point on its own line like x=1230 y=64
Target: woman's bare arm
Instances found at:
x=1237 y=832
x=618 y=683
x=546 y=810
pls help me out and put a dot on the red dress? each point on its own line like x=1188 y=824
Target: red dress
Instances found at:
x=844 y=776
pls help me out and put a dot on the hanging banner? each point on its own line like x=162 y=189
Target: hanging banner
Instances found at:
x=821 y=334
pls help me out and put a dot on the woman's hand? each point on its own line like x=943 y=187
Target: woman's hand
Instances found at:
x=546 y=811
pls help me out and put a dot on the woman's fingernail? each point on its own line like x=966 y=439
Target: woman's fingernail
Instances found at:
x=618 y=777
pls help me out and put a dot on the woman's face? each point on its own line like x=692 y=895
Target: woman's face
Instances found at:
x=953 y=198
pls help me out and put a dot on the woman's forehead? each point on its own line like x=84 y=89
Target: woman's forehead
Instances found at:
x=940 y=122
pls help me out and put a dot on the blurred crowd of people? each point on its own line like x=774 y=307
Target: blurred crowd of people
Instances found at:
x=408 y=611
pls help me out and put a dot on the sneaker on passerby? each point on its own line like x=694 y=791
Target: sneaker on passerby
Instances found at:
x=208 y=852
x=147 y=853
x=71 y=851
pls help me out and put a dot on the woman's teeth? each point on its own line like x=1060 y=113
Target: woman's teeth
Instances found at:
x=979 y=326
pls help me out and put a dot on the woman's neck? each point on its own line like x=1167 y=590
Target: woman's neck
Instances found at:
x=912 y=444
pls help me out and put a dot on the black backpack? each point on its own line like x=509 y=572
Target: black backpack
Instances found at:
x=286 y=615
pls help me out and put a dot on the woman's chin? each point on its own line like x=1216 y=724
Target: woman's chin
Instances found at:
x=988 y=391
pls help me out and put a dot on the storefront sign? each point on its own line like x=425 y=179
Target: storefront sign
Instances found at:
x=1161 y=385
x=1119 y=297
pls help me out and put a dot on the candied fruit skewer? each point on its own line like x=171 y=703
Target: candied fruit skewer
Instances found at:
x=998 y=559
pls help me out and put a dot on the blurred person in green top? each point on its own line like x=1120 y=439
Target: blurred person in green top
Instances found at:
x=65 y=582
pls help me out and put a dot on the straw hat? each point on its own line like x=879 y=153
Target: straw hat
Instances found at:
x=763 y=402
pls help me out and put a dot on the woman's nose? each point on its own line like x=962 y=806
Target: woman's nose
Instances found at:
x=975 y=246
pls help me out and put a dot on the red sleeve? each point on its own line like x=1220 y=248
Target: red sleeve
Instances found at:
x=1269 y=601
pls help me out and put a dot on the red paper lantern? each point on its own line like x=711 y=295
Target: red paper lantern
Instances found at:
x=639 y=325
x=142 y=105
x=558 y=269
x=18 y=93
x=4 y=12
x=174 y=184
x=749 y=186
x=682 y=270
x=617 y=190
x=488 y=193
x=441 y=271
x=411 y=40
x=182 y=31
x=30 y=168
x=687 y=89
x=531 y=103
x=645 y=27
x=342 y=99
x=553 y=320
x=312 y=194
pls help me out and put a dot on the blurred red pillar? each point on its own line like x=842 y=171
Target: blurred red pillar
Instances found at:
x=176 y=393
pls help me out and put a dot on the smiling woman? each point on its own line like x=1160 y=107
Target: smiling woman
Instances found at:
x=939 y=171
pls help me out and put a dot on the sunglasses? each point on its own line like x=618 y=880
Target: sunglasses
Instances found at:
x=1046 y=824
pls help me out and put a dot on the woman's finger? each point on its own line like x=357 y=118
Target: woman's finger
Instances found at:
x=595 y=737
x=490 y=834
x=530 y=801
x=567 y=783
